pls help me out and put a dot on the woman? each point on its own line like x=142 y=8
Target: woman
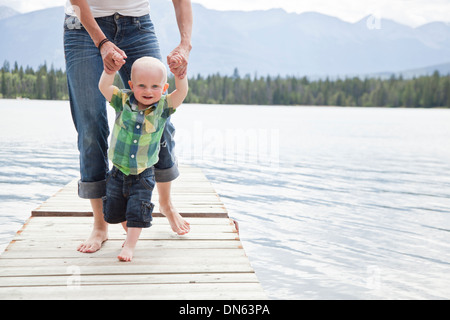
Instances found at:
x=108 y=29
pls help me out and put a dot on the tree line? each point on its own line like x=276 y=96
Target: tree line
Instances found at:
x=42 y=83
x=423 y=92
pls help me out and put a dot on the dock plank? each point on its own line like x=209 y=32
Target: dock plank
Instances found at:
x=209 y=262
x=191 y=291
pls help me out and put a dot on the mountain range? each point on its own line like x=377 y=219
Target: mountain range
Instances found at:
x=271 y=42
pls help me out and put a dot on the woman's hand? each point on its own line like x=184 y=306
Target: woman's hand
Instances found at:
x=177 y=61
x=113 y=57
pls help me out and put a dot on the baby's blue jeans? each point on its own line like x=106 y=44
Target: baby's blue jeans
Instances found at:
x=128 y=198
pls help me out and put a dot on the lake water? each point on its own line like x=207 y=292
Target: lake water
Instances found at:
x=332 y=203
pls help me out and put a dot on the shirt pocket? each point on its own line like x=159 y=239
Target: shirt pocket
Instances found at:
x=128 y=122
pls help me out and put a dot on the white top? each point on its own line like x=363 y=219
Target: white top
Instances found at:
x=103 y=8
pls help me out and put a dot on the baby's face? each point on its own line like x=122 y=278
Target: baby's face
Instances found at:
x=148 y=85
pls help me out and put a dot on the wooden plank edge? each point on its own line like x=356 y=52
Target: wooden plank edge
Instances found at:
x=36 y=213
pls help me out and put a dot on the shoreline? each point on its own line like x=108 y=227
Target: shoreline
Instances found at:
x=260 y=105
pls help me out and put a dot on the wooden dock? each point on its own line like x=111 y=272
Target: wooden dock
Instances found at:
x=42 y=262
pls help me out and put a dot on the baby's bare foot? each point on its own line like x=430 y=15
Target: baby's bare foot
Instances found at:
x=130 y=243
x=126 y=254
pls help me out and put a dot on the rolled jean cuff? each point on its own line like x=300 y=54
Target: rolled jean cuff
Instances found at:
x=92 y=190
x=167 y=175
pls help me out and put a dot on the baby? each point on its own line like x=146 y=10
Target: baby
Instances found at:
x=135 y=142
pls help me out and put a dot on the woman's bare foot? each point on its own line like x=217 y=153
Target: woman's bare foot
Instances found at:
x=99 y=232
x=94 y=242
x=176 y=221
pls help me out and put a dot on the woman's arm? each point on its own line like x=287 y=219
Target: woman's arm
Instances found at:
x=83 y=12
x=108 y=50
x=183 y=12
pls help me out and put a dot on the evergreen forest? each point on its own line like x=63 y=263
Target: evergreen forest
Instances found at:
x=420 y=92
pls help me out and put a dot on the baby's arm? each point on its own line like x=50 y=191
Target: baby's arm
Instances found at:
x=175 y=99
x=106 y=85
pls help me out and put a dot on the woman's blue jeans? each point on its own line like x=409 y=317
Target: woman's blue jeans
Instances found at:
x=84 y=66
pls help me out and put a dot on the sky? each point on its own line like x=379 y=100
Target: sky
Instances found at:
x=410 y=12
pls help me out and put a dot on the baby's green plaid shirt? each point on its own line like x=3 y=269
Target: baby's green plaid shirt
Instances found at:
x=135 y=140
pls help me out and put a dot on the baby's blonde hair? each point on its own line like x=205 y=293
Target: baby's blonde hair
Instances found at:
x=149 y=63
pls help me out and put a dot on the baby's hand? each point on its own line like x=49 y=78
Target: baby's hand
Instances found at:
x=177 y=61
x=113 y=57
x=118 y=59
